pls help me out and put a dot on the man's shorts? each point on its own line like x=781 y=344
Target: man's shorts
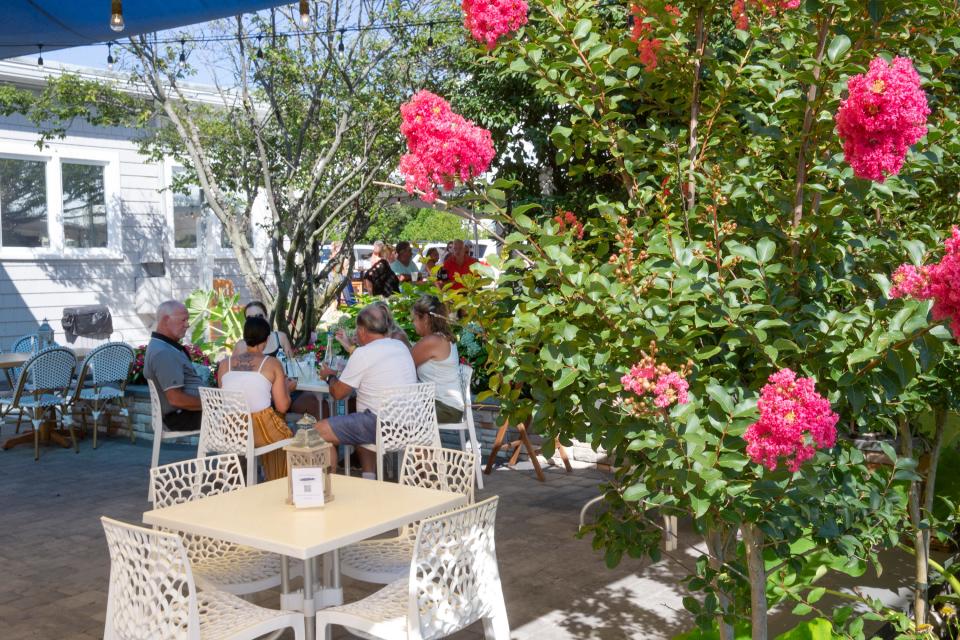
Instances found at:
x=355 y=428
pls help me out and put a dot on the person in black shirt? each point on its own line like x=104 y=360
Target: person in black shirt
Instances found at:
x=379 y=279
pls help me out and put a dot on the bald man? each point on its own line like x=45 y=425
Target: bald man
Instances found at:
x=166 y=363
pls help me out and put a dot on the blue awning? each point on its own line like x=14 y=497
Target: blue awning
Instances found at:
x=59 y=24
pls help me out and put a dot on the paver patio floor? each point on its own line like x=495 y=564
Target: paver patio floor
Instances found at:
x=54 y=563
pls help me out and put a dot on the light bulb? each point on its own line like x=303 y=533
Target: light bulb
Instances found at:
x=116 y=15
x=110 y=62
x=304 y=13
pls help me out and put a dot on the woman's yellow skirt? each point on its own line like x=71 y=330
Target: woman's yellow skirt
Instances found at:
x=269 y=427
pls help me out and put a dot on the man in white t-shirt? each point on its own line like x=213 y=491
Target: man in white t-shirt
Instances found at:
x=378 y=364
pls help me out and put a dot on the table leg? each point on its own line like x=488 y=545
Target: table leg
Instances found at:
x=309 y=608
x=284 y=574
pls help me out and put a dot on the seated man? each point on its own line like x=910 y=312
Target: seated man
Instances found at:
x=379 y=363
x=166 y=363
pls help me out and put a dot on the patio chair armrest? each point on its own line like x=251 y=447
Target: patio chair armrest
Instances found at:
x=273 y=446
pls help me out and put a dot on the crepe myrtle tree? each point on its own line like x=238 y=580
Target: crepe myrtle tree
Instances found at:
x=304 y=124
x=725 y=317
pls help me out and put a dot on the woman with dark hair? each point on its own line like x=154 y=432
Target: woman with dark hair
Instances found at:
x=261 y=380
x=379 y=279
x=278 y=341
x=436 y=357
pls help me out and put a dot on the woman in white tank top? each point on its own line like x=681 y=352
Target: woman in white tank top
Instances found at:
x=266 y=389
x=436 y=357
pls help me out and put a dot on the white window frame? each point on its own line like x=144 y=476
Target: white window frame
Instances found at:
x=217 y=251
x=53 y=156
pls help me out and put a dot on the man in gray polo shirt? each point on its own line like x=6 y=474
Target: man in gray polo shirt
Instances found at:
x=168 y=365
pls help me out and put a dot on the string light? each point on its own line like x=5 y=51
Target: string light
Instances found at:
x=116 y=15
x=109 y=56
x=340 y=46
x=183 y=52
x=40 y=55
x=430 y=38
x=304 y=13
x=259 y=48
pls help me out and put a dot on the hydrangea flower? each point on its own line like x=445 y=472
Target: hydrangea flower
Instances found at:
x=488 y=20
x=442 y=146
x=794 y=422
x=884 y=113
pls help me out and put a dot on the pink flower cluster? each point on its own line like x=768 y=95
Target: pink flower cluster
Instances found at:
x=938 y=282
x=885 y=112
x=794 y=421
x=648 y=379
x=487 y=20
x=443 y=146
x=567 y=219
x=641 y=32
x=739 y=9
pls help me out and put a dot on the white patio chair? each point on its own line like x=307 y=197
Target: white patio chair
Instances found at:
x=160 y=432
x=453 y=581
x=385 y=560
x=226 y=427
x=408 y=415
x=152 y=594
x=43 y=385
x=232 y=567
x=466 y=428
x=107 y=365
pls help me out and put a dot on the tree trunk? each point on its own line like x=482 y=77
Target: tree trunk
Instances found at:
x=753 y=541
x=921 y=551
x=721 y=545
x=690 y=199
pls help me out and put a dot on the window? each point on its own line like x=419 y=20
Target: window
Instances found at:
x=84 y=205
x=187 y=209
x=23 y=203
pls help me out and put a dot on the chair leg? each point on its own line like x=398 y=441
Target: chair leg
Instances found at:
x=96 y=420
x=347 y=451
x=68 y=422
x=19 y=420
x=496 y=626
x=126 y=414
x=154 y=461
x=36 y=436
x=476 y=451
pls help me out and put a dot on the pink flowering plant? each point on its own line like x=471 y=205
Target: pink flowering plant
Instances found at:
x=746 y=191
x=442 y=146
x=489 y=20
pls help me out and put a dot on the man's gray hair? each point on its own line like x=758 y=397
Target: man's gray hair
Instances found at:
x=167 y=308
x=373 y=319
x=378 y=246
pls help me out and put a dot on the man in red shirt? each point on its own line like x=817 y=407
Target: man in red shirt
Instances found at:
x=457 y=263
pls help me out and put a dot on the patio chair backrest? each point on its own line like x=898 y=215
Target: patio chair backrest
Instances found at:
x=225 y=424
x=407 y=416
x=110 y=362
x=156 y=409
x=152 y=592
x=191 y=480
x=26 y=344
x=50 y=371
x=438 y=468
x=454 y=579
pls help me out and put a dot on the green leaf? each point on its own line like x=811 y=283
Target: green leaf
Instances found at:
x=861 y=355
x=838 y=46
x=765 y=250
x=566 y=379
x=582 y=29
x=816 y=629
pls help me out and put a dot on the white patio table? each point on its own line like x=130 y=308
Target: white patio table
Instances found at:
x=259 y=517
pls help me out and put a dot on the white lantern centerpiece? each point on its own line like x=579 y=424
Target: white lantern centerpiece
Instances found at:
x=309 y=449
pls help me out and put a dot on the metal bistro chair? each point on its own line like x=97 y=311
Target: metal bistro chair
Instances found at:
x=160 y=433
x=29 y=343
x=109 y=366
x=226 y=427
x=153 y=594
x=452 y=581
x=408 y=415
x=466 y=428
x=232 y=567
x=385 y=560
x=44 y=384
